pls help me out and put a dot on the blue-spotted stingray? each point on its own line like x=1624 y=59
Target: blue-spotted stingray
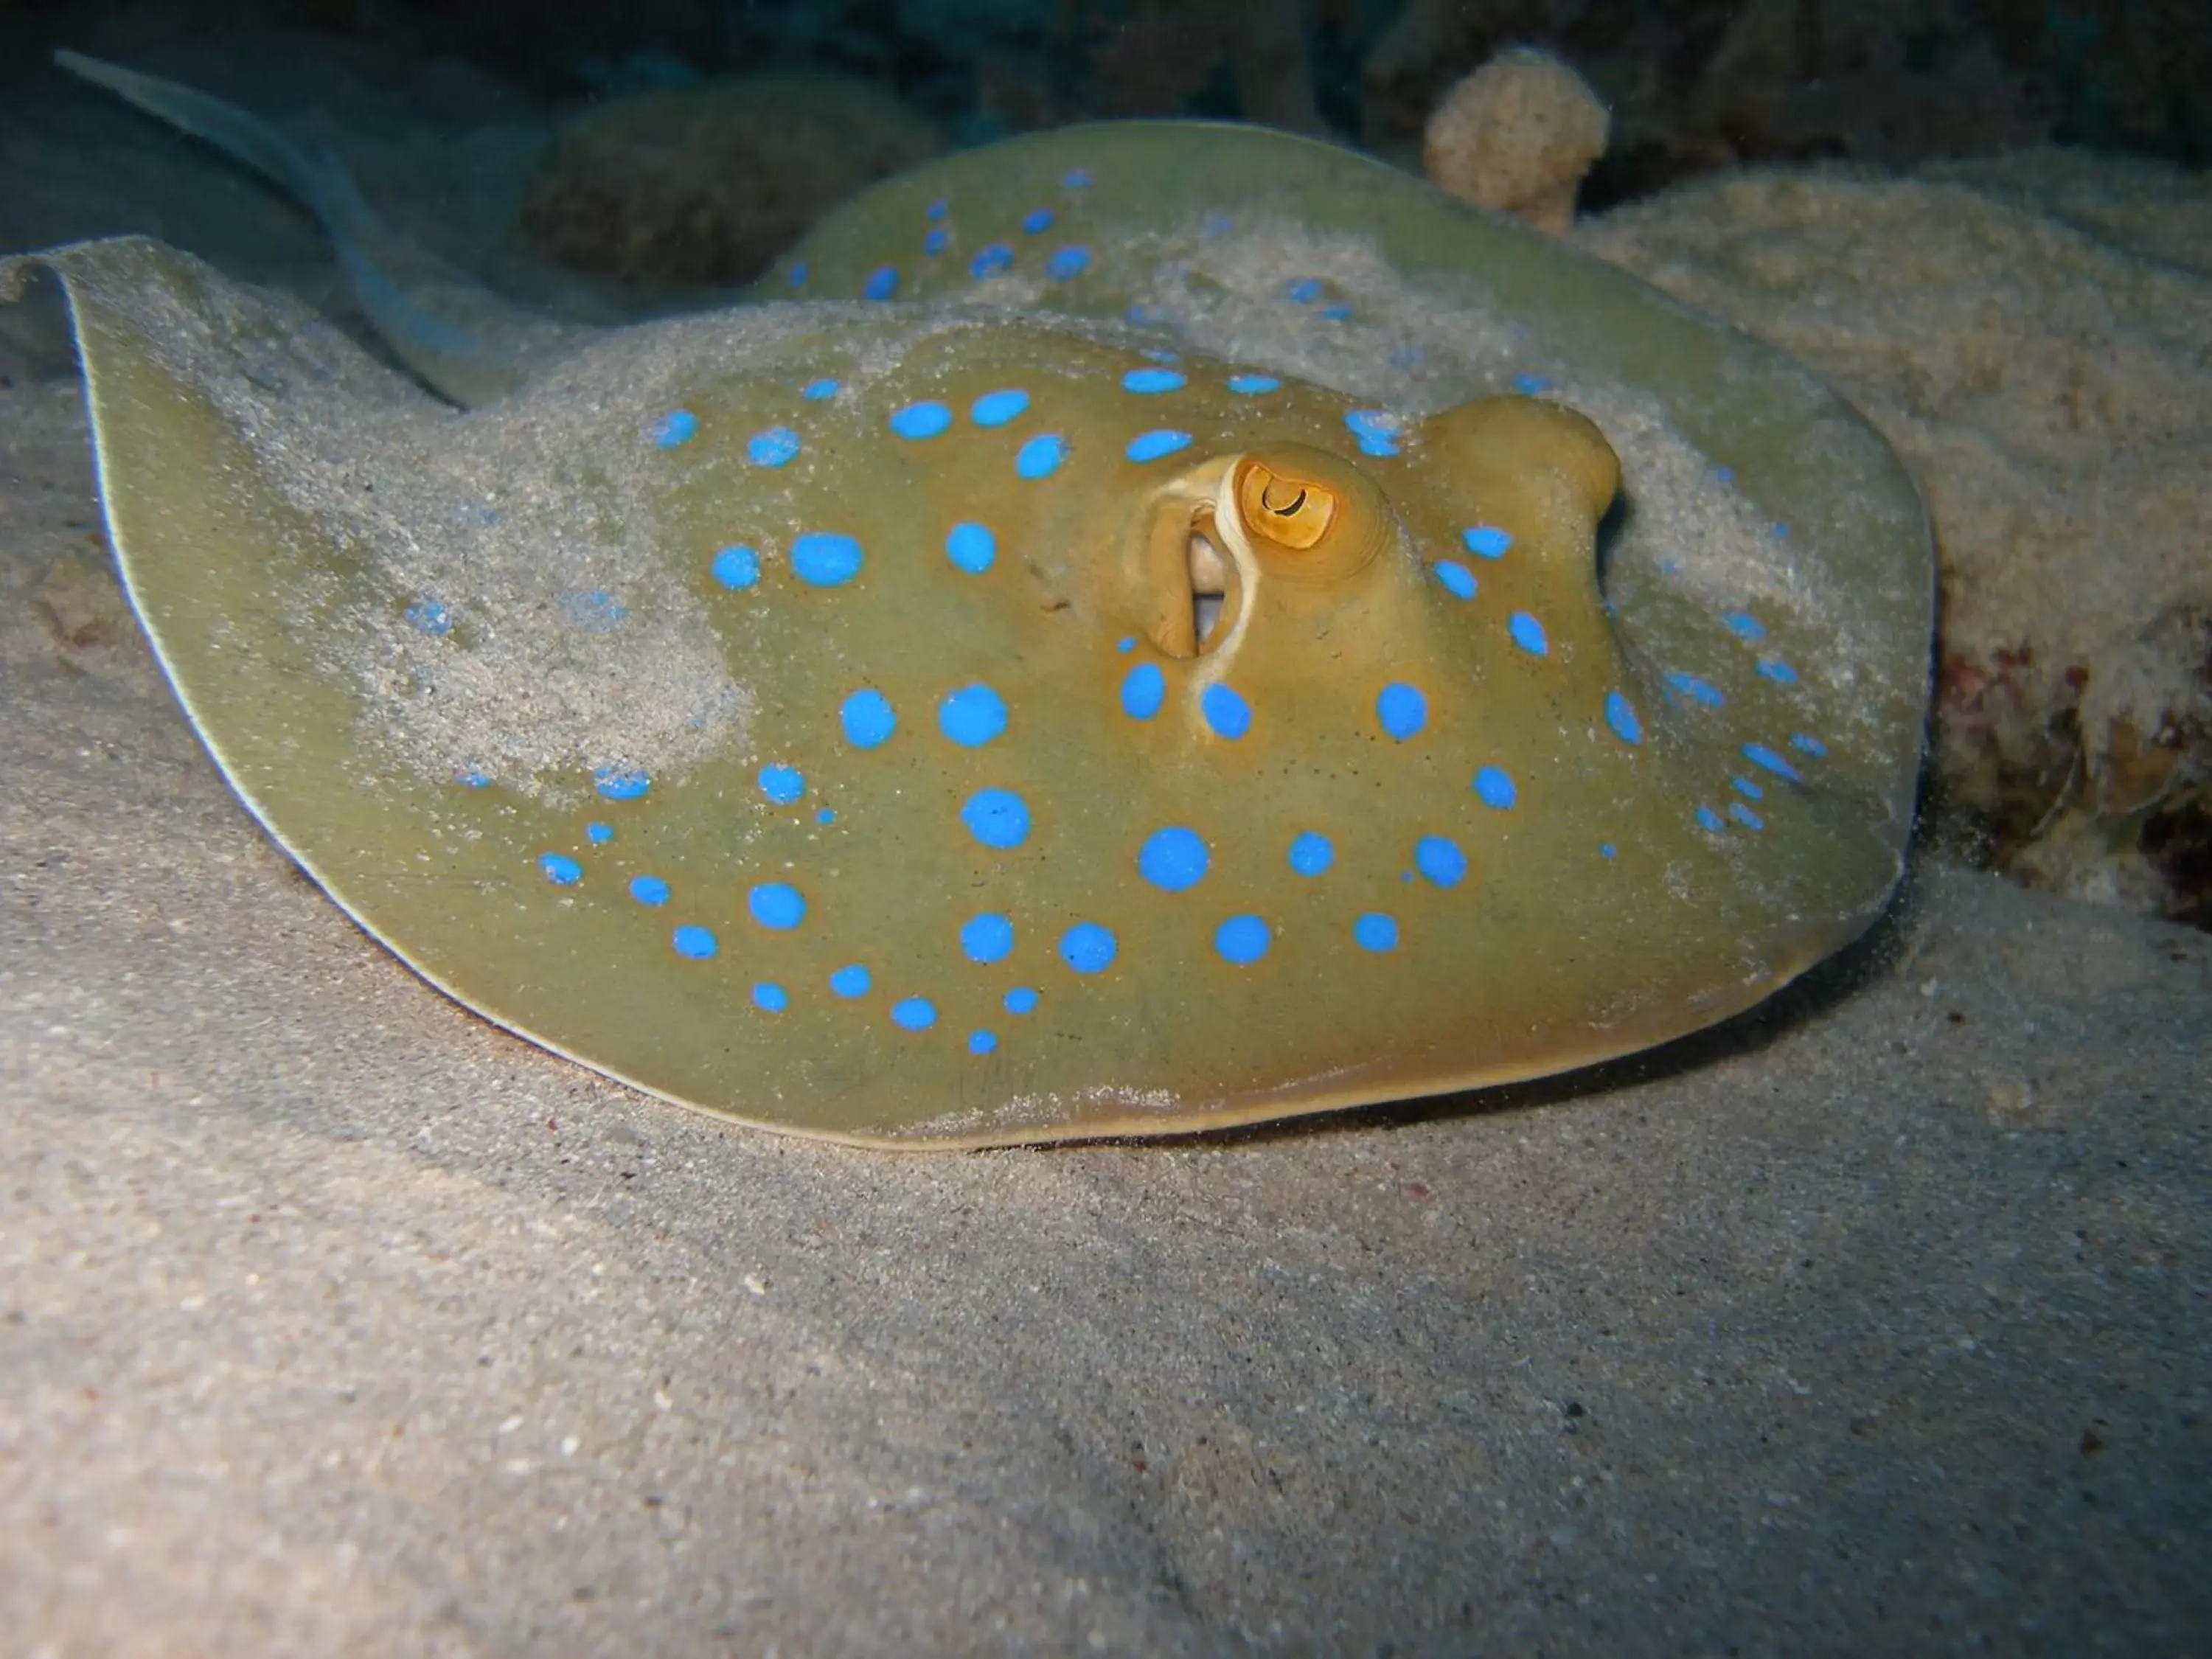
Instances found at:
x=1135 y=628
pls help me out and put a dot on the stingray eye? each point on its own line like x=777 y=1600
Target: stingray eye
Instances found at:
x=1309 y=516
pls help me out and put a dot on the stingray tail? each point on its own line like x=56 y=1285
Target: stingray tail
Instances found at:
x=465 y=342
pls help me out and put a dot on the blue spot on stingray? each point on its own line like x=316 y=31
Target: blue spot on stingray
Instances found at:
x=1241 y=939
x=1147 y=382
x=1746 y=788
x=678 y=426
x=868 y=718
x=769 y=998
x=982 y=1042
x=914 y=1014
x=987 y=938
x=1339 y=312
x=993 y=261
x=648 y=890
x=1440 y=861
x=936 y=210
x=1173 y=859
x=1150 y=445
x=430 y=616
x=1486 y=541
x=997 y=817
x=1709 y=819
x=1375 y=932
x=1311 y=853
x=782 y=784
x=1141 y=313
x=1228 y=715
x=1494 y=788
x=1040 y=458
x=1304 y=291
x=882 y=283
x=778 y=905
x=1038 y=221
x=737 y=567
x=1126 y=644
x=972 y=716
x=595 y=611
x=1528 y=634
x=697 y=943
x=1773 y=668
x=560 y=869
x=620 y=783
x=1725 y=474
x=971 y=547
x=1744 y=625
x=1704 y=693
x=799 y=273
x=852 y=981
x=918 y=421
x=824 y=815
x=1402 y=709
x=818 y=391
x=997 y=408
x=934 y=244
x=469 y=777
x=1087 y=948
x=1529 y=385
x=1620 y=716
x=1144 y=688
x=1067 y=263
x=1459 y=581
x=1376 y=429
x=1807 y=746
x=1759 y=755
x=1216 y=224
x=777 y=446
x=1744 y=815
x=1021 y=1001
x=1254 y=386
x=1606 y=849
x=1080 y=179
x=826 y=558
x=599 y=834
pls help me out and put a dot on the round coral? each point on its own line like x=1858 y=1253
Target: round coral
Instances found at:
x=1517 y=135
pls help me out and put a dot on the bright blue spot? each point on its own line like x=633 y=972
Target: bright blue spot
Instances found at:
x=1078 y=179
x=1038 y=222
x=1607 y=849
x=918 y=421
x=1126 y=644
x=994 y=260
x=1087 y=948
x=1759 y=755
x=1704 y=693
x=594 y=609
x=1254 y=386
x=471 y=778
x=776 y=447
x=678 y=426
x=620 y=783
x=936 y=209
x=972 y=716
x=1709 y=819
x=971 y=547
x=997 y=408
x=1376 y=429
x=987 y=938
x=1486 y=541
x=1620 y=716
x=1339 y=312
x=997 y=817
x=1375 y=932
x=982 y=1042
x=1440 y=861
x=826 y=558
x=1173 y=859
x=799 y=273
x=1147 y=382
x=1228 y=715
x=1805 y=745
x=1304 y=291
x=1528 y=634
x=560 y=868
x=777 y=904
x=824 y=815
x=1459 y=581
x=428 y=614
x=782 y=784
x=852 y=981
x=1529 y=385
x=1744 y=625
x=1782 y=532
x=934 y=244
x=769 y=998
x=737 y=567
x=648 y=890
x=1144 y=688
x=1040 y=458
x=868 y=718
x=1746 y=788
x=695 y=942
x=1021 y=1001
x=882 y=283
x=1773 y=668
x=1241 y=939
x=1744 y=815
x=1402 y=709
x=821 y=390
x=1725 y=474
x=1312 y=853
x=599 y=834
x=1068 y=264
x=1150 y=445
x=1494 y=788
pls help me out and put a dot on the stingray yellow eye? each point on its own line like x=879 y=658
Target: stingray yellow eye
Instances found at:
x=1307 y=515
